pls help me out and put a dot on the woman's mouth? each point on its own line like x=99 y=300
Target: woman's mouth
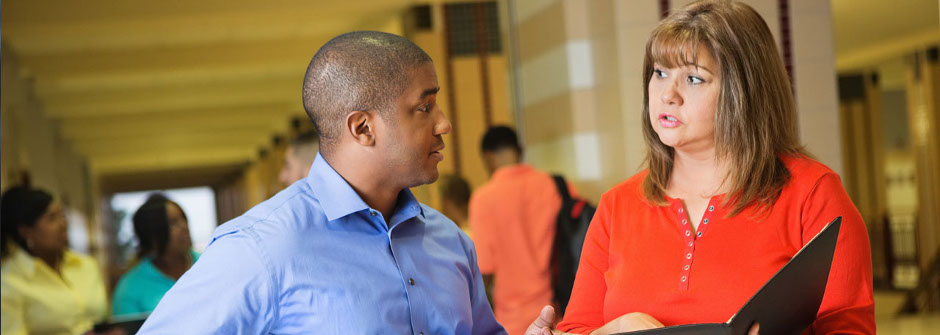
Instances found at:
x=668 y=120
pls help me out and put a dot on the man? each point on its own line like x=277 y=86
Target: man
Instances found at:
x=514 y=213
x=298 y=158
x=349 y=250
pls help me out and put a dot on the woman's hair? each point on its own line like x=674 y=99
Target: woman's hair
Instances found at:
x=152 y=226
x=755 y=118
x=20 y=207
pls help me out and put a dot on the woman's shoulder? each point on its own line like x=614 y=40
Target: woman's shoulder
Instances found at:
x=142 y=270
x=632 y=188
x=805 y=169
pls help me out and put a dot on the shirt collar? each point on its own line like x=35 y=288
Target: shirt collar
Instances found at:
x=27 y=264
x=22 y=260
x=338 y=199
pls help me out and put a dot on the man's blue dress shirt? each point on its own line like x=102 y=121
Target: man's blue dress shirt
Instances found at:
x=315 y=259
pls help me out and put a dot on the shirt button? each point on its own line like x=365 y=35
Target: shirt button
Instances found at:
x=691 y=243
x=688 y=256
x=373 y=213
x=411 y=281
x=684 y=278
x=685 y=267
x=680 y=210
x=711 y=208
x=688 y=232
x=684 y=221
x=705 y=221
x=699 y=234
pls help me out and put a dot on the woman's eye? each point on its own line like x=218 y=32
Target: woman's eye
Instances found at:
x=659 y=73
x=695 y=80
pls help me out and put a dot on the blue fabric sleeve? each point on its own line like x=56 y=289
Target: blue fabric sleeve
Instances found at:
x=484 y=322
x=230 y=290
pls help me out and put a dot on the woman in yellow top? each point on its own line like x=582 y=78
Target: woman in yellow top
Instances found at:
x=46 y=289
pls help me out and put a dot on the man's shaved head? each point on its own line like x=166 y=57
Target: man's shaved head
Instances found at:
x=357 y=71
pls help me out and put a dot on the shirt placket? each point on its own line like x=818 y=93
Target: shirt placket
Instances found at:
x=408 y=280
x=690 y=239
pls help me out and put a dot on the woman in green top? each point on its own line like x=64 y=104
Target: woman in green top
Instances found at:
x=164 y=254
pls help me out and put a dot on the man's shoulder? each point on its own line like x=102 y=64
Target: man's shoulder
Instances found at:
x=437 y=219
x=281 y=216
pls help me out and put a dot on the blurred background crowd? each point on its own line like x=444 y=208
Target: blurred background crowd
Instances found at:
x=130 y=130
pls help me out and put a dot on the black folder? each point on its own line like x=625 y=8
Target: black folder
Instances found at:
x=787 y=303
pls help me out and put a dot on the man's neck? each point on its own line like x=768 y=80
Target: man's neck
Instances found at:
x=504 y=158
x=375 y=192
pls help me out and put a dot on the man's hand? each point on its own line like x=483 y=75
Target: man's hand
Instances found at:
x=628 y=323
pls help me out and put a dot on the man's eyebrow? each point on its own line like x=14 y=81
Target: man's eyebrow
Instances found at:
x=429 y=91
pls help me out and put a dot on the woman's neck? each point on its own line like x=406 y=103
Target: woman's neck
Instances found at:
x=698 y=174
x=52 y=258
x=173 y=264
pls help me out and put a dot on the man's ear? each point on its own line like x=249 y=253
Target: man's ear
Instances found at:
x=360 y=125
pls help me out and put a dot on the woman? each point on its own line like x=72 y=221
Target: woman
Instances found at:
x=164 y=254
x=47 y=289
x=728 y=195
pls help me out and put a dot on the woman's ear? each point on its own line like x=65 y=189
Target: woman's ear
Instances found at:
x=359 y=124
x=26 y=232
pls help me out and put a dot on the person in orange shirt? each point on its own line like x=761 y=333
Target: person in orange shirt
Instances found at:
x=728 y=195
x=512 y=218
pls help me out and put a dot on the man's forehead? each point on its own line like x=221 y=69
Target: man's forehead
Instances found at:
x=423 y=82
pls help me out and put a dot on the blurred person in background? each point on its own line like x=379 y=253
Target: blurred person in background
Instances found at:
x=513 y=219
x=164 y=254
x=299 y=156
x=455 y=197
x=46 y=288
x=727 y=197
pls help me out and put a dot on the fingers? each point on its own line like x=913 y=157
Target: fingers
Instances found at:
x=754 y=329
x=546 y=317
x=542 y=325
x=656 y=322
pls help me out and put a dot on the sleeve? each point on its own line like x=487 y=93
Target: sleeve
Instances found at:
x=848 y=305
x=11 y=312
x=230 y=290
x=484 y=322
x=483 y=238
x=585 y=311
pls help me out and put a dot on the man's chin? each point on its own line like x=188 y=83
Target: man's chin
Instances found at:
x=428 y=177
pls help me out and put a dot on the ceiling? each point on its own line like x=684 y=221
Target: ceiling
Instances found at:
x=150 y=89
x=157 y=88
x=868 y=32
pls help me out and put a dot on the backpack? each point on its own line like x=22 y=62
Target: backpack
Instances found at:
x=570 y=228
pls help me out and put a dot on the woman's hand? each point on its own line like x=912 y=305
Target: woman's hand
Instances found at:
x=627 y=323
x=543 y=324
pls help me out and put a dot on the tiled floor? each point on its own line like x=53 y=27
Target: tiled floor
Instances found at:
x=888 y=323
